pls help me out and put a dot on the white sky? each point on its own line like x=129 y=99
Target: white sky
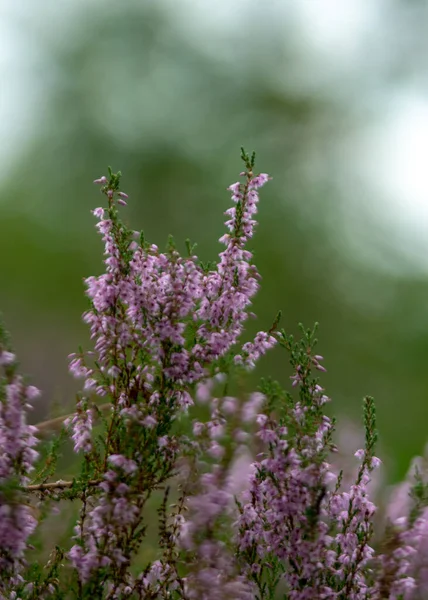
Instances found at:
x=392 y=157
x=400 y=145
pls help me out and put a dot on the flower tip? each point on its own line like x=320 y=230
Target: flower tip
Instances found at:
x=7 y=358
x=376 y=462
x=98 y=212
x=101 y=181
x=32 y=393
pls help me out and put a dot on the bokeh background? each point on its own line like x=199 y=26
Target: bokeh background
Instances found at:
x=332 y=95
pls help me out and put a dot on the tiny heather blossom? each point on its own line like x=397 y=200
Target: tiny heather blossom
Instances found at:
x=102 y=180
x=252 y=407
x=6 y=358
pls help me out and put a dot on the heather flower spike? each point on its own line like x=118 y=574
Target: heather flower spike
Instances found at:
x=254 y=504
x=101 y=181
x=17 y=460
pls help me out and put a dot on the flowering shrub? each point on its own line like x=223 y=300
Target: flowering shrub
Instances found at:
x=259 y=509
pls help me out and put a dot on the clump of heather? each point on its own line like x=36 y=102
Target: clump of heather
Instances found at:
x=253 y=502
x=17 y=458
x=159 y=323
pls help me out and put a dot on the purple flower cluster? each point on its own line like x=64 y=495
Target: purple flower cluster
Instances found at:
x=261 y=509
x=144 y=310
x=17 y=458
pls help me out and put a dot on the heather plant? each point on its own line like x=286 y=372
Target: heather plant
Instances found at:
x=253 y=503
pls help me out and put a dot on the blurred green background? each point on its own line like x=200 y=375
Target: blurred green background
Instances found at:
x=332 y=95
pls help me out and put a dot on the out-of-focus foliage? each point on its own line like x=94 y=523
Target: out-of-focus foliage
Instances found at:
x=144 y=87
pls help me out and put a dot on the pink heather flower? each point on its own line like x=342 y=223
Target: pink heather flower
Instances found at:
x=153 y=582
x=81 y=424
x=184 y=399
x=32 y=393
x=77 y=368
x=315 y=360
x=244 y=517
x=349 y=437
x=297 y=378
x=252 y=407
x=241 y=471
x=254 y=350
x=415 y=539
x=102 y=180
x=145 y=304
x=149 y=421
x=213 y=572
x=227 y=292
x=127 y=465
x=6 y=358
x=260 y=180
x=216 y=451
x=90 y=384
x=229 y=405
x=375 y=462
x=403 y=567
x=203 y=390
x=216 y=430
x=198 y=428
x=235 y=187
x=241 y=436
x=103 y=534
x=16 y=438
x=261 y=420
x=17 y=458
x=98 y=212
x=114 y=371
x=328 y=556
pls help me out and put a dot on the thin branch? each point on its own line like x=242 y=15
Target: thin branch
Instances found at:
x=60 y=484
